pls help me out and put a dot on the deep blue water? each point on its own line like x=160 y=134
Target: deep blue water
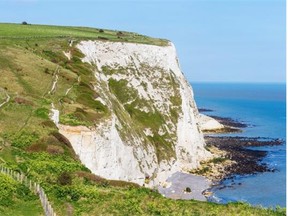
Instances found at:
x=263 y=107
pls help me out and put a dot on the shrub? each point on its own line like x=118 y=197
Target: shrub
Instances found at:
x=25 y=193
x=24 y=23
x=42 y=113
x=49 y=124
x=7 y=188
x=53 y=149
x=37 y=147
x=62 y=139
x=102 y=38
x=46 y=71
x=90 y=176
x=119 y=33
x=101 y=30
x=65 y=179
x=23 y=101
x=70 y=119
x=23 y=139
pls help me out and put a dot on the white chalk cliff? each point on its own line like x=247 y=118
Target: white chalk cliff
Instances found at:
x=151 y=130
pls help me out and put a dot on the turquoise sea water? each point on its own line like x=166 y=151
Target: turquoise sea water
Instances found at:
x=263 y=108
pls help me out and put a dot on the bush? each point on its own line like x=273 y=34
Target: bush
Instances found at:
x=101 y=30
x=22 y=139
x=61 y=138
x=46 y=71
x=24 y=23
x=65 y=179
x=72 y=120
x=48 y=124
x=120 y=34
x=102 y=38
x=25 y=193
x=8 y=187
x=23 y=101
x=53 y=149
x=42 y=113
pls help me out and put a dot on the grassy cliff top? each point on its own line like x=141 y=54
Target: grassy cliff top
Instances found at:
x=20 y=31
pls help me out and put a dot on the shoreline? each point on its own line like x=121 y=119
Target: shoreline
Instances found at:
x=232 y=154
x=236 y=158
x=232 y=157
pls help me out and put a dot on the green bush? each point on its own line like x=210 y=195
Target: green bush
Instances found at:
x=8 y=187
x=88 y=101
x=71 y=119
x=24 y=193
x=42 y=113
x=22 y=139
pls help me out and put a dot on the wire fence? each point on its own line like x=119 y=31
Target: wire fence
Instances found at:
x=33 y=186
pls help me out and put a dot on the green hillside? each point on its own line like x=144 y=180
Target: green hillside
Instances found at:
x=31 y=60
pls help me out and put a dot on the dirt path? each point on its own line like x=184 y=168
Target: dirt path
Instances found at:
x=55 y=77
x=6 y=101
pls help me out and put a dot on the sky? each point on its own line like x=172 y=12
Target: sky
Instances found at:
x=216 y=40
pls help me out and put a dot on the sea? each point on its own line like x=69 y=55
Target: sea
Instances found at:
x=263 y=108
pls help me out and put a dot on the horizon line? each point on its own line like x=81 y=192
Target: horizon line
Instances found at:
x=237 y=82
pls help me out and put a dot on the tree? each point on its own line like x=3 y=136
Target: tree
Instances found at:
x=24 y=23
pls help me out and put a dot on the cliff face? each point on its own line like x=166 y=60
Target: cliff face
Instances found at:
x=151 y=130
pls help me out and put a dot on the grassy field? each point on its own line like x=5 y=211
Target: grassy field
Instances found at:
x=30 y=59
x=19 y=31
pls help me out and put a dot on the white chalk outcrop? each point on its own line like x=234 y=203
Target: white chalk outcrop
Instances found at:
x=54 y=115
x=121 y=148
x=207 y=123
x=103 y=151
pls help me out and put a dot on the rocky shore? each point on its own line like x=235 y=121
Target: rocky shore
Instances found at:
x=243 y=160
x=234 y=155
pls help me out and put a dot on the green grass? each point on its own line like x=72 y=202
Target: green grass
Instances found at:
x=17 y=199
x=23 y=208
x=19 y=31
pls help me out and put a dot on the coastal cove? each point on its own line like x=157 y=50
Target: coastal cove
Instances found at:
x=262 y=108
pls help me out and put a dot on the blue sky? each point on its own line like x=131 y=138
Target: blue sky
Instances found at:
x=216 y=40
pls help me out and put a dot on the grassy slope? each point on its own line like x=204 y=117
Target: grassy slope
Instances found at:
x=16 y=199
x=38 y=31
x=29 y=142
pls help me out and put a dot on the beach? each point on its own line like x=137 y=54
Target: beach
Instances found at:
x=178 y=184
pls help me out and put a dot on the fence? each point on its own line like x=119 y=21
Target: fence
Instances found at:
x=33 y=186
